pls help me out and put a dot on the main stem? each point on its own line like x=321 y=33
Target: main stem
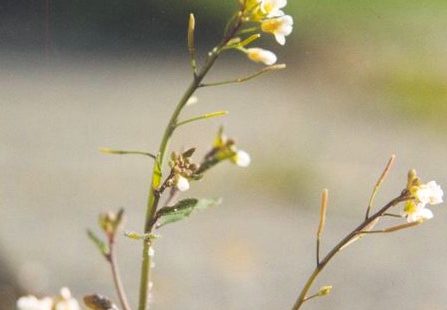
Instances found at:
x=302 y=297
x=153 y=198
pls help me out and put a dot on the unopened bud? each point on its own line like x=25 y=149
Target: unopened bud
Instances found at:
x=413 y=179
x=325 y=290
x=110 y=221
x=193 y=167
x=174 y=156
x=189 y=152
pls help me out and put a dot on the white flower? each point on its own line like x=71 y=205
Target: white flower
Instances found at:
x=280 y=27
x=65 y=301
x=430 y=193
x=416 y=212
x=261 y=55
x=181 y=183
x=273 y=7
x=32 y=303
x=192 y=100
x=242 y=159
x=62 y=302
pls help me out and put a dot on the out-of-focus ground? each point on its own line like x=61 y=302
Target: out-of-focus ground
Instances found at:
x=349 y=98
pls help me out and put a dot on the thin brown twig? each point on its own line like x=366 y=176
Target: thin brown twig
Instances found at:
x=112 y=259
x=340 y=245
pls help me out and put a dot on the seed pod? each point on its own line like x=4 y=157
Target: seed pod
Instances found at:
x=99 y=302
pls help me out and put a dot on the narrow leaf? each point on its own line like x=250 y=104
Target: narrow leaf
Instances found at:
x=183 y=209
x=101 y=245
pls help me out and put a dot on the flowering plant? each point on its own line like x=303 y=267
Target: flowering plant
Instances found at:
x=175 y=171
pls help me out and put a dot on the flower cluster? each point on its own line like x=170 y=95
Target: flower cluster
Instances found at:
x=268 y=17
x=182 y=170
x=430 y=193
x=64 y=301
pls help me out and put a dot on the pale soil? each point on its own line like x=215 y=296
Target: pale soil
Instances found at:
x=254 y=251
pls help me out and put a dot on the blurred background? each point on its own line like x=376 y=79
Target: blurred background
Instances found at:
x=365 y=79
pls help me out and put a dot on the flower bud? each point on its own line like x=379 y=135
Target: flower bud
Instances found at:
x=110 y=221
x=182 y=183
x=242 y=159
x=257 y=54
x=325 y=290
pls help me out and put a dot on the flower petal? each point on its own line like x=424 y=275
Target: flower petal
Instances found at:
x=242 y=159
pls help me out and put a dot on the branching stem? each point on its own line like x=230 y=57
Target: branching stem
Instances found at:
x=358 y=230
x=153 y=198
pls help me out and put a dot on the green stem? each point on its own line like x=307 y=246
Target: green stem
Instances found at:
x=154 y=197
x=156 y=177
x=357 y=231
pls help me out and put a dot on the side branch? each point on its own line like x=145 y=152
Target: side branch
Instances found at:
x=111 y=258
x=246 y=78
x=353 y=234
x=202 y=117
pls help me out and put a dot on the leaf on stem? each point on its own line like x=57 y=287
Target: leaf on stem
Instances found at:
x=189 y=152
x=183 y=209
x=101 y=245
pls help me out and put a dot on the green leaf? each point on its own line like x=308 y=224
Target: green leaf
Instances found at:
x=188 y=153
x=183 y=209
x=101 y=245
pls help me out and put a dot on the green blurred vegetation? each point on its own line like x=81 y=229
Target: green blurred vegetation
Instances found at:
x=393 y=48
